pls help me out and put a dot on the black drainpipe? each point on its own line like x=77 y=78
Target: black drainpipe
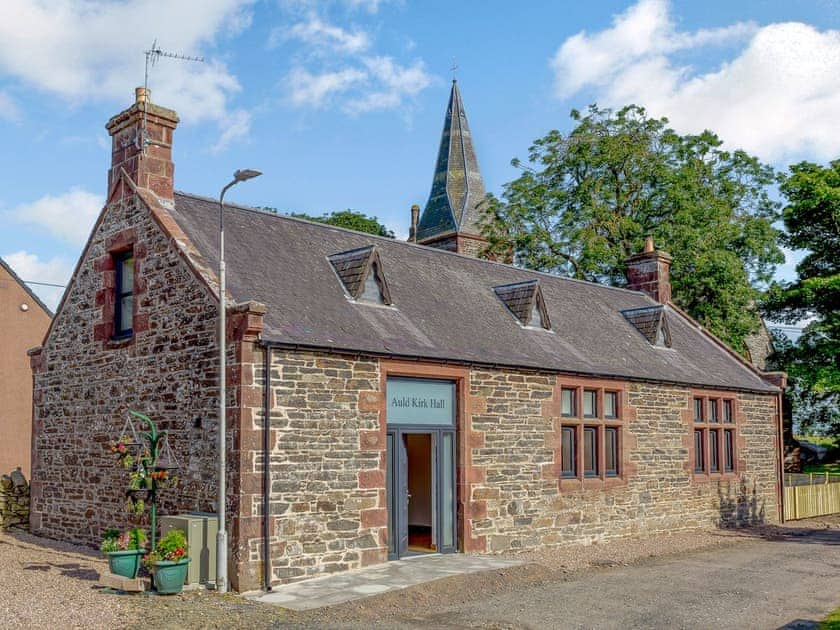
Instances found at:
x=266 y=467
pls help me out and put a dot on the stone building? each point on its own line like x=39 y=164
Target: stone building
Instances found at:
x=385 y=398
x=23 y=322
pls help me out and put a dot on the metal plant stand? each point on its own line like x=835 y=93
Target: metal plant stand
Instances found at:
x=153 y=466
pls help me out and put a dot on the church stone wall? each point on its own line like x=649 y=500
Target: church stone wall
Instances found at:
x=328 y=466
x=84 y=383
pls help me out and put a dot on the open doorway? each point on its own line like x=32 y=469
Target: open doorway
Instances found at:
x=420 y=490
x=421 y=499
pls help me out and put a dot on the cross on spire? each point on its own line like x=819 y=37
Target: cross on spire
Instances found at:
x=454 y=68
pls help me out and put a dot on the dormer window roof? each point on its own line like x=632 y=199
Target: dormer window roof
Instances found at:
x=525 y=302
x=360 y=273
x=651 y=322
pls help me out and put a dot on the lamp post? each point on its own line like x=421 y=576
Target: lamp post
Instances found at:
x=221 y=538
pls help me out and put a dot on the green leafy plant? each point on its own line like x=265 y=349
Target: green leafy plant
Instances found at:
x=130 y=540
x=172 y=547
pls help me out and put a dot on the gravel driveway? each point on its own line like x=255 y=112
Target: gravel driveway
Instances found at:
x=763 y=578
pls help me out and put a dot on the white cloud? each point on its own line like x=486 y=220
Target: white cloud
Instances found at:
x=378 y=83
x=9 y=110
x=315 y=90
x=393 y=83
x=69 y=216
x=93 y=50
x=323 y=37
x=30 y=268
x=776 y=97
x=335 y=61
x=371 y=6
x=235 y=126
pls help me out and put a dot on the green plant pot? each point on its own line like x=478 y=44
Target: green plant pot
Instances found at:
x=170 y=576
x=125 y=563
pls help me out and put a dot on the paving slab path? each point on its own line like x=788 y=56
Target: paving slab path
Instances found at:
x=382 y=578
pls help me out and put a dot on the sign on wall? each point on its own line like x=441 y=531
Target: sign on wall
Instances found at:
x=420 y=401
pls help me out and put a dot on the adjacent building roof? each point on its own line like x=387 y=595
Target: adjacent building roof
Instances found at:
x=457 y=186
x=25 y=287
x=444 y=306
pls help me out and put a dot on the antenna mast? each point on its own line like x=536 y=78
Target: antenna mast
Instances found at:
x=152 y=55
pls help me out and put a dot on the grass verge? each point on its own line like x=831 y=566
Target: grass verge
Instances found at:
x=832 y=622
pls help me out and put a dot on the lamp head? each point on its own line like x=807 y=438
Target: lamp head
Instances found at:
x=245 y=174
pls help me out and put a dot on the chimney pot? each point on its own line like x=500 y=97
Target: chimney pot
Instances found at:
x=649 y=245
x=142 y=95
x=415 y=217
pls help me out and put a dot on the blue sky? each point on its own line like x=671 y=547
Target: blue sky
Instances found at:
x=341 y=102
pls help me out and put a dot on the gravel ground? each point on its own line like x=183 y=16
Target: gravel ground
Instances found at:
x=58 y=581
x=45 y=584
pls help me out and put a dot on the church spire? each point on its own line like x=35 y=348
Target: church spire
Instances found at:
x=452 y=217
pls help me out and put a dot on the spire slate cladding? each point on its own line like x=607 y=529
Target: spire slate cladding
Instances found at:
x=457 y=188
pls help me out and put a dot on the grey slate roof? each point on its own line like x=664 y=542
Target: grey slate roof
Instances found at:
x=457 y=185
x=444 y=305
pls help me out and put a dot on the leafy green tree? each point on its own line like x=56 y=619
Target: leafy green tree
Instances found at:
x=350 y=219
x=588 y=198
x=812 y=220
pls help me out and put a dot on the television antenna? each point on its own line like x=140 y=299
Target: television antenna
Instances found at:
x=152 y=56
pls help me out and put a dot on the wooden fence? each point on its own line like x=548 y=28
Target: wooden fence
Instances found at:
x=805 y=501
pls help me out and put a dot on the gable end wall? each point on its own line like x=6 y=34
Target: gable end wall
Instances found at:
x=84 y=384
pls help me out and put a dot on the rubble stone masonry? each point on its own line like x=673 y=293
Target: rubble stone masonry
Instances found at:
x=328 y=465
x=327 y=507
x=84 y=383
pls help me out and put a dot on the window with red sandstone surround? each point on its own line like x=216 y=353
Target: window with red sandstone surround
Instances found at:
x=124 y=295
x=590 y=433
x=714 y=435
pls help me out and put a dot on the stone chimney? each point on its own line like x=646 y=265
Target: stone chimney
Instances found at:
x=415 y=217
x=650 y=272
x=142 y=145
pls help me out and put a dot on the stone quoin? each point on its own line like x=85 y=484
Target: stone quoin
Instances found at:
x=385 y=398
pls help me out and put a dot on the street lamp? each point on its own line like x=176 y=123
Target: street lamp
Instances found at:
x=221 y=538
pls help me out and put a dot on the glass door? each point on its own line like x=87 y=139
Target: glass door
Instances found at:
x=420 y=490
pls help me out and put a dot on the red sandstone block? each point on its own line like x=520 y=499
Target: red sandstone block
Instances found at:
x=103 y=263
x=475 y=474
x=371 y=479
x=369 y=401
x=373 y=556
x=141 y=323
x=370 y=440
x=476 y=439
x=475 y=545
x=376 y=517
x=102 y=332
x=476 y=509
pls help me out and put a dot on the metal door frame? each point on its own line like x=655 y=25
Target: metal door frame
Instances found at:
x=392 y=469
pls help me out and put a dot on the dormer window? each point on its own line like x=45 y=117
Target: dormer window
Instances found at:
x=525 y=302
x=360 y=273
x=372 y=291
x=651 y=322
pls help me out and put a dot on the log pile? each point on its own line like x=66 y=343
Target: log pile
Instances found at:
x=14 y=501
